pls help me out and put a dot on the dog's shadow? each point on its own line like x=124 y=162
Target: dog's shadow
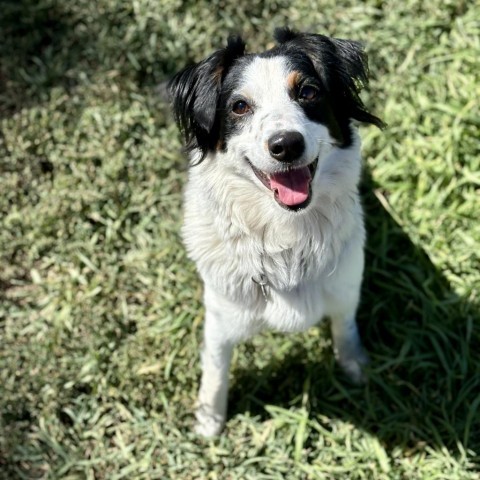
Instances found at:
x=423 y=380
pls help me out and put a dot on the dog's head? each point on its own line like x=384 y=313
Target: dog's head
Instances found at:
x=278 y=113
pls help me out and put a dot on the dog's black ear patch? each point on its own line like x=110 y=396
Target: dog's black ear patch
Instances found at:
x=284 y=34
x=343 y=67
x=351 y=72
x=195 y=93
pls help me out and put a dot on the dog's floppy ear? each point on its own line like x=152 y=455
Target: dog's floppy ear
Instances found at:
x=195 y=93
x=342 y=65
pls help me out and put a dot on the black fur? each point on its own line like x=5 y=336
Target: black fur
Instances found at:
x=195 y=92
x=342 y=65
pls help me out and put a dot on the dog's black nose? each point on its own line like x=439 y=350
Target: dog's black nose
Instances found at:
x=286 y=146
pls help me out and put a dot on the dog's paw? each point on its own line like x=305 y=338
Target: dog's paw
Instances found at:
x=353 y=365
x=208 y=425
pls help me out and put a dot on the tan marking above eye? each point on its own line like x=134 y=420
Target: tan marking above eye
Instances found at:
x=218 y=74
x=293 y=79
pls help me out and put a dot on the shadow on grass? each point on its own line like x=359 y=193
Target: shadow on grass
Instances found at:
x=39 y=45
x=48 y=44
x=424 y=374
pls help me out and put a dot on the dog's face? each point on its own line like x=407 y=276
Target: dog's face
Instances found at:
x=277 y=114
x=272 y=123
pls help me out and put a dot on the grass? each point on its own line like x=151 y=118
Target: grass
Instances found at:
x=100 y=311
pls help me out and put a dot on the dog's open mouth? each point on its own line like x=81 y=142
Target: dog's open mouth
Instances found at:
x=291 y=188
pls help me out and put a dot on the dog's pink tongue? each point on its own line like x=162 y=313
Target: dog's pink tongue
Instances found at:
x=292 y=187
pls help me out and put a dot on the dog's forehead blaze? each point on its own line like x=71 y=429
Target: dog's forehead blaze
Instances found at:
x=266 y=78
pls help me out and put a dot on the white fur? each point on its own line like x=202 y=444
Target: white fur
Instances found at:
x=234 y=230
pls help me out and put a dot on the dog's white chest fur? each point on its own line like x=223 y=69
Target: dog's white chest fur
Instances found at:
x=236 y=235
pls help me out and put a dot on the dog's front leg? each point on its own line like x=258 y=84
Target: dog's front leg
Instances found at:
x=216 y=355
x=348 y=347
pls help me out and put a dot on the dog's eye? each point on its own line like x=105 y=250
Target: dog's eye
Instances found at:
x=241 y=107
x=307 y=92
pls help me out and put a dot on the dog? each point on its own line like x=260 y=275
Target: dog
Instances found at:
x=272 y=215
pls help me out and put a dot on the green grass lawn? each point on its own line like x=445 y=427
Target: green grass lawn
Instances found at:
x=100 y=310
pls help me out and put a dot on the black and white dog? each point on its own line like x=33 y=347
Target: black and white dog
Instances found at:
x=273 y=219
